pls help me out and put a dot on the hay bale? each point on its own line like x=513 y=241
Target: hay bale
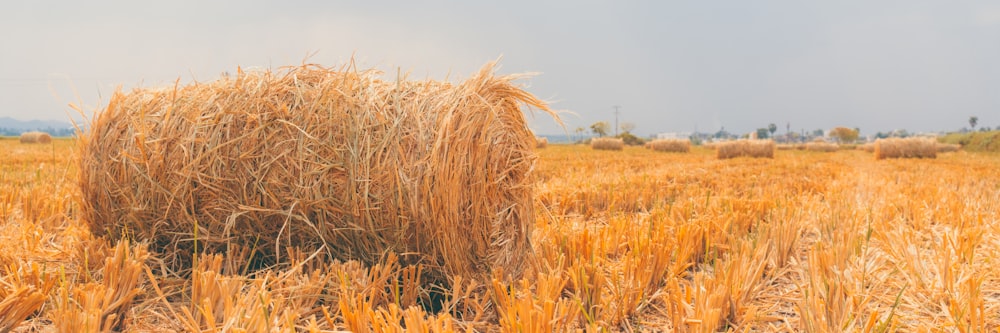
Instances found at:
x=541 y=142
x=747 y=148
x=905 y=148
x=36 y=137
x=785 y=146
x=607 y=144
x=710 y=145
x=648 y=145
x=948 y=147
x=868 y=147
x=671 y=145
x=319 y=159
x=824 y=147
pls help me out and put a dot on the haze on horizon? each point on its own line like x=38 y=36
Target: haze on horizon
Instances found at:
x=672 y=66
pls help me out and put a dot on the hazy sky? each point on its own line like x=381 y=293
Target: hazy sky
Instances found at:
x=671 y=65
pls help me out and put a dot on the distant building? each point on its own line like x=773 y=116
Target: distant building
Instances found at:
x=673 y=135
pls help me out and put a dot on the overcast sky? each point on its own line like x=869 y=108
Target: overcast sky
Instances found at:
x=671 y=65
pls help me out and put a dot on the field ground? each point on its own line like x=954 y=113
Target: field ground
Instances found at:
x=629 y=240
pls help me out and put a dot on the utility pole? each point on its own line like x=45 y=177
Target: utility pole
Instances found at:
x=616 y=118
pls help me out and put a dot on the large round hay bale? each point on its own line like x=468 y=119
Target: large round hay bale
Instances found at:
x=315 y=158
x=607 y=144
x=745 y=148
x=36 y=137
x=671 y=145
x=541 y=142
x=914 y=147
x=824 y=147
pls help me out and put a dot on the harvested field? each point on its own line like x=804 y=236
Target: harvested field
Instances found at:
x=632 y=241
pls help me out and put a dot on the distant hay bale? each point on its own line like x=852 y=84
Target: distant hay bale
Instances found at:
x=710 y=145
x=824 y=147
x=317 y=158
x=948 y=147
x=36 y=137
x=905 y=148
x=541 y=142
x=607 y=144
x=785 y=146
x=648 y=145
x=868 y=147
x=671 y=145
x=747 y=148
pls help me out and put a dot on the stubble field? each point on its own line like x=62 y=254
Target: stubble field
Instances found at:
x=631 y=240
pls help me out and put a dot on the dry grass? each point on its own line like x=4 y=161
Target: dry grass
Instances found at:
x=36 y=137
x=745 y=148
x=671 y=145
x=948 y=147
x=824 y=147
x=905 y=148
x=607 y=144
x=336 y=161
x=627 y=242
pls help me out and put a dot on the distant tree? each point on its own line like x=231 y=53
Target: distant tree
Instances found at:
x=844 y=134
x=721 y=133
x=601 y=128
x=762 y=133
x=818 y=132
x=695 y=139
x=630 y=139
x=579 y=132
x=772 y=128
x=973 y=121
x=627 y=127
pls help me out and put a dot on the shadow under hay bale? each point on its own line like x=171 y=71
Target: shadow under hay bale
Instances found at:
x=316 y=158
x=745 y=148
x=905 y=148
x=36 y=137
x=607 y=144
x=671 y=145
